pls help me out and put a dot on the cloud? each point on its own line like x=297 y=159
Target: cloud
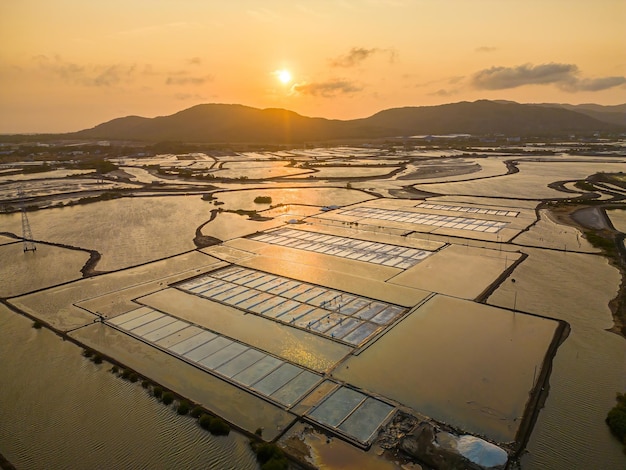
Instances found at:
x=357 y=55
x=87 y=75
x=188 y=96
x=443 y=92
x=183 y=79
x=486 y=49
x=594 y=84
x=499 y=78
x=353 y=58
x=327 y=89
x=564 y=76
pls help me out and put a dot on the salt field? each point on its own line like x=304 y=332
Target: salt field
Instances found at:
x=331 y=308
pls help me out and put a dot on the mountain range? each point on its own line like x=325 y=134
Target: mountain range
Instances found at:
x=213 y=123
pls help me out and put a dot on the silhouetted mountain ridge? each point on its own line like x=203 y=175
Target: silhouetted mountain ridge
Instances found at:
x=239 y=123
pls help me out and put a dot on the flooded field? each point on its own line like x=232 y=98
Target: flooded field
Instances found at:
x=479 y=392
x=589 y=367
x=86 y=417
x=530 y=183
x=331 y=307
x=618 y=219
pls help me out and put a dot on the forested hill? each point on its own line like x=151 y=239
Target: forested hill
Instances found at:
x=238 y=123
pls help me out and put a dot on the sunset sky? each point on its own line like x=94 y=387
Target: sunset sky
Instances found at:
x=67 y=65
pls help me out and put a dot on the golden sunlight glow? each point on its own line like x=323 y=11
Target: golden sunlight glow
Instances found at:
x=284 y=76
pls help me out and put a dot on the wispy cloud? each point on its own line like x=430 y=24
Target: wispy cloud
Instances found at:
x=444 y=93
x=98 y=75
x=182 y=78
x=594 y=84
x=358 y=55
x=353 y=58
x=327 y=89
x=564 y=76
x=188 y=96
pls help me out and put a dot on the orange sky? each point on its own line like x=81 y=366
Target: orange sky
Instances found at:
x=67 y=65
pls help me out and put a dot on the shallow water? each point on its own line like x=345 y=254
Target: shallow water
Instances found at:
x=618 y=219
x=589 y=367
x=425 y=363
x=125 y=232
x=63 y=411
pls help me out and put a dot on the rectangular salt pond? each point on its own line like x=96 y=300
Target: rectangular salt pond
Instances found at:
x=362 y=423
x=426 y=219
x=463 y=363
x=442 y=207
x=278 y=380
x=328 y=312
x=343 y=247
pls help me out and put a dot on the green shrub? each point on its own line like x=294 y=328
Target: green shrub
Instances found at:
x=167 y=398
x=97 y=359
x=133 y=377
x=183 y=407
x=259 y=432
x=276 y=464
x=268 y=451
x=263 y=200
x=616 y=419
x=205 y=421
x=218 y=427
x=196 y=411
x=37 y=325
x=157 y=392
x=145 y=383
x=87 y=352
x=126 y=373
x=115 y=369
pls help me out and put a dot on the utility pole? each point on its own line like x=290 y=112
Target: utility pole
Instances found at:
x=27 y=234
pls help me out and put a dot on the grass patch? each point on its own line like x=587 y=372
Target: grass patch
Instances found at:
x=603 y=243
x=585 y=185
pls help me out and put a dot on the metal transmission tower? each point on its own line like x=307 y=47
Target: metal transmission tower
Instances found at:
x=27 y=234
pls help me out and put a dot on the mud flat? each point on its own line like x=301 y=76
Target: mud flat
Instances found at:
x=592 y=217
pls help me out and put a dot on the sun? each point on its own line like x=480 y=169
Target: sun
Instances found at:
x=284 y=76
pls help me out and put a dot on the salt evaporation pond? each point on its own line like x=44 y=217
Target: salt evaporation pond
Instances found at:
x=424 y=363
